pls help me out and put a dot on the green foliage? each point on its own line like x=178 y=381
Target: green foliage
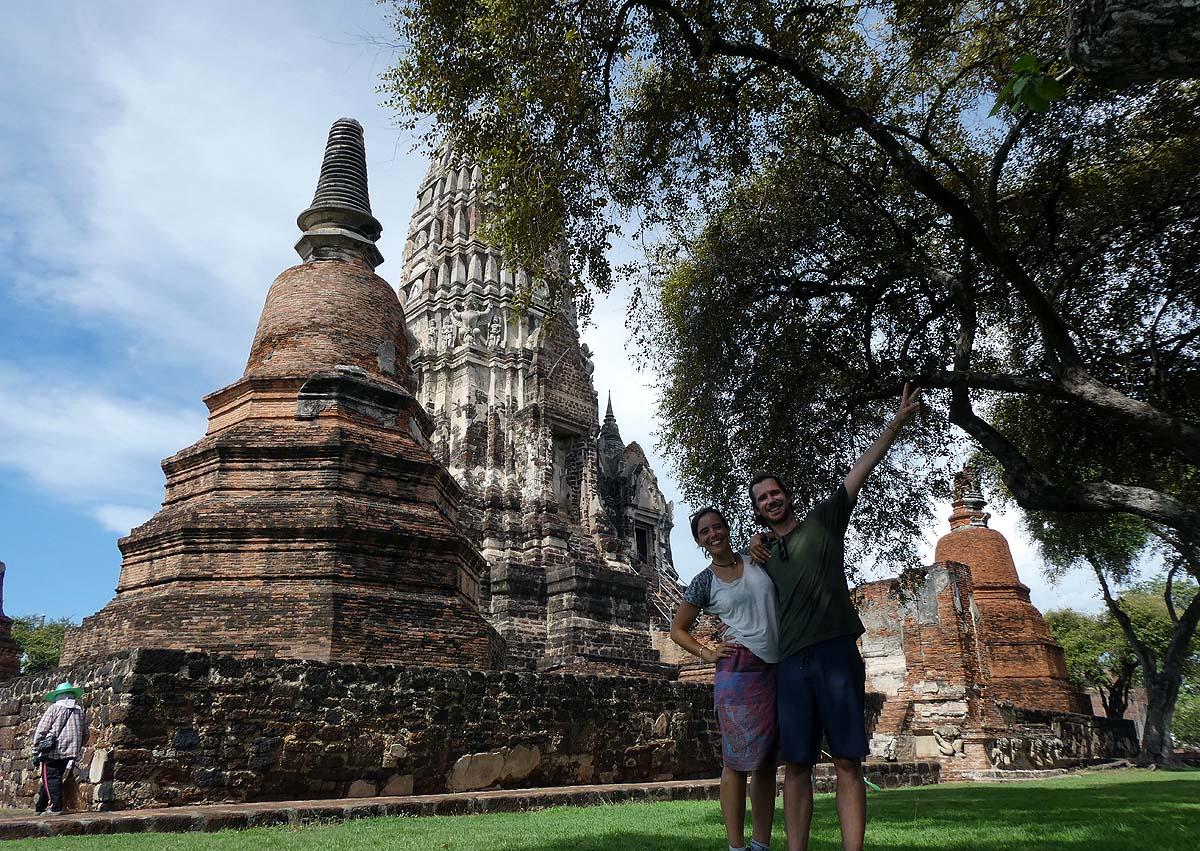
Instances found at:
x=1185 y=727
x=1031 y=86
x=40 y=640
x=1147 y=609
x=1099 y=811
x=1098 y=656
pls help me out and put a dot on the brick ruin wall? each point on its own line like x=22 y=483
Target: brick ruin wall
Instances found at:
x=924 y=652
x=927 y=655
x=173 y=728
x=1041 y=739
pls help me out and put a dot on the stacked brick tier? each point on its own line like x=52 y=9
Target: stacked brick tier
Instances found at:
x=509 y=389
x=1027 y=666
x=312 y=520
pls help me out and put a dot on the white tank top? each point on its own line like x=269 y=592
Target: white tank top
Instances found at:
x=747 y=606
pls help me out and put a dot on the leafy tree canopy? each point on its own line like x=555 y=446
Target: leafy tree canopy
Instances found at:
x=1186 y=725
x=835 y=212
x=1096 y=651
x=1096 y=648
x=1099 y=654
x=1156 y=625
x=40 y=640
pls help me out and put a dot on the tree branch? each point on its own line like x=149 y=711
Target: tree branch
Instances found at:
x=1034 y=491
x=1145 y=657
x=1063 y=355
x=613 y=45
x=1167 y=596
x=1001 y=157
x=1181 y=637
x=975 y=380
x=1182 y=436
x=734 y=87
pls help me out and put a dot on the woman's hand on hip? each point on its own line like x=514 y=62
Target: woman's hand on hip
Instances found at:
x=712 y=654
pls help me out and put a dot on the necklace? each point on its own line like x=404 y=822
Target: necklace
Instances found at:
x=726 y=564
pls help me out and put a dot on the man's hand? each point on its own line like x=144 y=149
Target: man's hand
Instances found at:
x=760 y=550
x=910 y=403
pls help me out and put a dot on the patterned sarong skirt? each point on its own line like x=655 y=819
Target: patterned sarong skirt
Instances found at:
x=744 y=692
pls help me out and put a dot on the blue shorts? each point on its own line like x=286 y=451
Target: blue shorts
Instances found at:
x=822 y=692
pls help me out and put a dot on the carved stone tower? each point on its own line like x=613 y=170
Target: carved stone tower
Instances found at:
x=311 y=521
x=1027 y=667
x=515 y=413
x=642 y=516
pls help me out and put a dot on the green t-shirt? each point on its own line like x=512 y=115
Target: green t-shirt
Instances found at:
x=814 y=602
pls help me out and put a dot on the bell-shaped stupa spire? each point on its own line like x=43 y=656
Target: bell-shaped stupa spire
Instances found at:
x=338 y=225
x=968 y=499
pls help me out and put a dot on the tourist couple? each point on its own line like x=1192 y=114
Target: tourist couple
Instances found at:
x=788 y=667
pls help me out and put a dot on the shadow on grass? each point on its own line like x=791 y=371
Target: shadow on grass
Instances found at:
x=1136 y=815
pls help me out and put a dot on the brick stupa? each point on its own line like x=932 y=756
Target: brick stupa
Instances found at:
x=311 y=521
x=1027 y=666
x=10 y=651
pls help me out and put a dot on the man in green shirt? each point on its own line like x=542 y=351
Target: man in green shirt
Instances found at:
x=821 y=680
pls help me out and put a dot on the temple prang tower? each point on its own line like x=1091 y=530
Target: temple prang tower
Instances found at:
x=577 y=560
x=311 y=521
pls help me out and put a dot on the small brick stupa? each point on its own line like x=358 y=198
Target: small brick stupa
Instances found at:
x=311 y=521
x=1027 y=666
x=10 y=651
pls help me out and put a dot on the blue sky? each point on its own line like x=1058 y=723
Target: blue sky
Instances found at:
x=152 y=166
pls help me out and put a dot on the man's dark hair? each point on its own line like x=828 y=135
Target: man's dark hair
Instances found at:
x=762 y=477
x=694 y=520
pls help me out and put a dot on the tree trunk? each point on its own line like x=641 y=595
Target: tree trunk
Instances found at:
x=1162 y=685
x=1115 y=699
x=1122 y=42
x=1161 y=692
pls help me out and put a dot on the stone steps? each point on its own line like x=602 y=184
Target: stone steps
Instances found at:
x=213 y=817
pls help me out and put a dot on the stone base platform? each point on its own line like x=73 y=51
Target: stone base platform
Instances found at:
x=178 y=729
x=1010 y=775
x=216 y=817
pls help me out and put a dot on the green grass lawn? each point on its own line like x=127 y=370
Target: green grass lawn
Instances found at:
x=1098 y=811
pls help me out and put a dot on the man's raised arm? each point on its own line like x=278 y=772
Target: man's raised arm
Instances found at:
x=910 y=402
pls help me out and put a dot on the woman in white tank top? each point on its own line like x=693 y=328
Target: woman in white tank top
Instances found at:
x=740 y=593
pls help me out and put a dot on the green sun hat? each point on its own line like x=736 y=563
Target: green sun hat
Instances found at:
x=62 y=689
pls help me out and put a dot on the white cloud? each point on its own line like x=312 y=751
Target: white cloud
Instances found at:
x=121 y=518
x=87 y=448
x=173 y=155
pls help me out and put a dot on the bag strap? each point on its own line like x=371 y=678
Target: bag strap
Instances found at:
x=62 y=725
